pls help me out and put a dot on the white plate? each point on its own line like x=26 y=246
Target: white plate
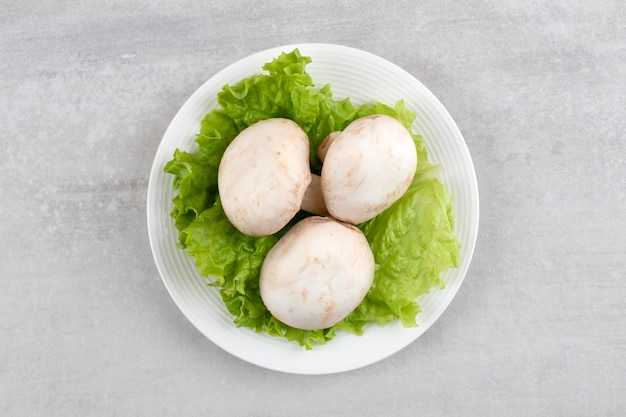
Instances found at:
x=364 y=78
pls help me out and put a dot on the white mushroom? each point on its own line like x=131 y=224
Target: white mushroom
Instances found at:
x=263 y=176
x=367 y=167
x=317 y=273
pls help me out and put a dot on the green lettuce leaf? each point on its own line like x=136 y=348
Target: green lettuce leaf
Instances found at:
x=413 y=241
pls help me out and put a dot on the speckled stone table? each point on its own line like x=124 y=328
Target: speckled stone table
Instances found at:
x=538 y=90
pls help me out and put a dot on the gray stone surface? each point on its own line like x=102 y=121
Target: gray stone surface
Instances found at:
x=88 y=88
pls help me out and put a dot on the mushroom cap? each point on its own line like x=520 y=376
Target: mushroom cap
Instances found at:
x=263 y=176
x=317 y=273
x=367 y=168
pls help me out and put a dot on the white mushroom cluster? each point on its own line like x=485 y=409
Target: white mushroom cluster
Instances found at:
x=322 y=268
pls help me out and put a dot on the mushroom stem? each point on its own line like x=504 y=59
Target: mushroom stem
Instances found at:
x=323 y=148
x=313 y=201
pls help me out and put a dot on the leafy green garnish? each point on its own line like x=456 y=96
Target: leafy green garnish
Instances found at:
x=413 y=241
